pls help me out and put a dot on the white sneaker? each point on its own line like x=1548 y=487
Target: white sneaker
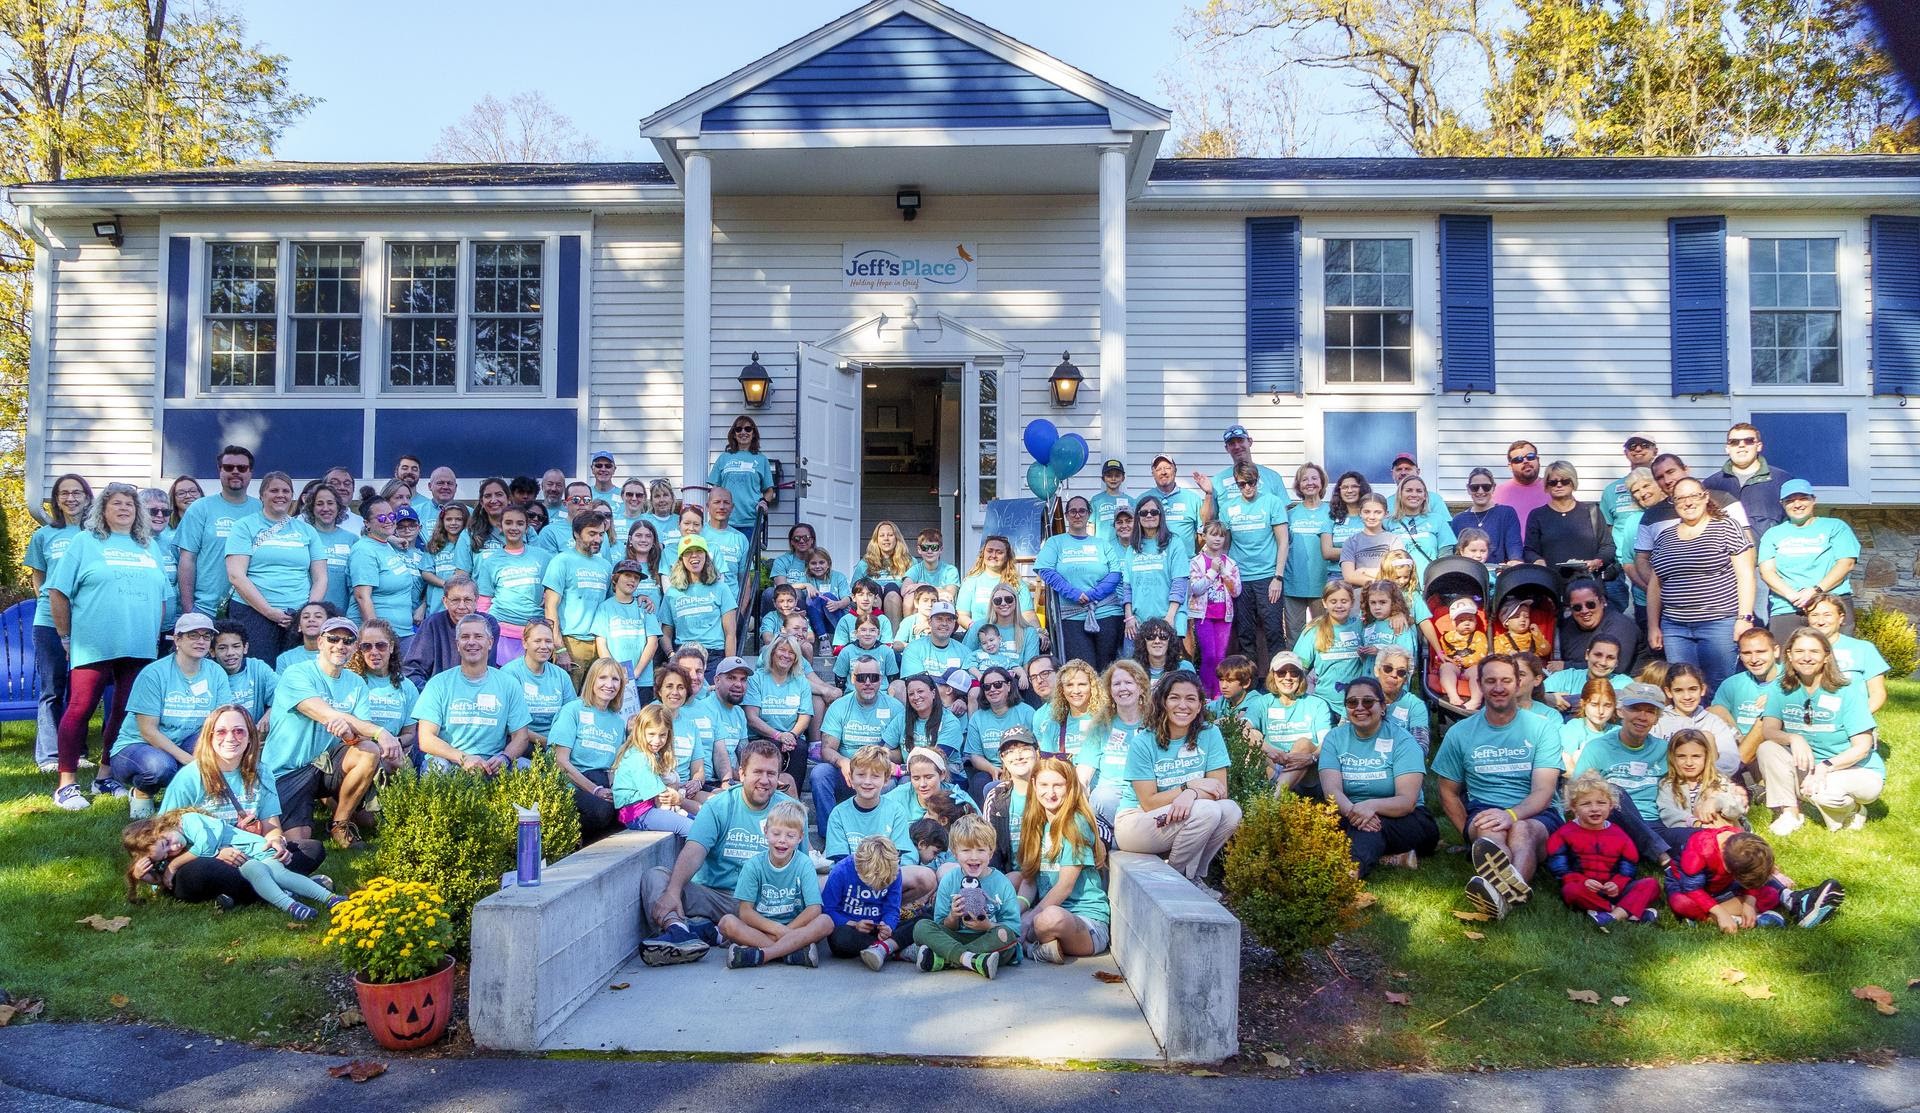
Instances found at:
x=1859 y=820
x=1787 y=822
x=821 y=863
x=51 y=765
x=1048 y=952
x=70 y=798
x=85 y=764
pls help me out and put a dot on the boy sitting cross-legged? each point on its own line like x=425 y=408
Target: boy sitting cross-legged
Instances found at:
x=779 y=894
x=862 y=897
x=976 y=913
x=872 y=812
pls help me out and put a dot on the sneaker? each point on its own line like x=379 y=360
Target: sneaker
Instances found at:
x=1491 y=863
x=300 y=912
x=1408 y=861
x=1047 y=952
x=335 y=901
x=1812 y=907
x=1604 y=919
x=70 y=798
x=85 y=764
x=322 y=880
x=1787 y=822
x=223 y=901
x=821 y=863
x=1483 y=896
x=1769 y=919
x=140 y=807
x=928 y=962
x=986 y=965
x=740 y=958
x=706 y=931
x=911 y=953
x=1859 y=820
x=875 y=957
x=107 y=786
x=808 y=955
x=673 y=946
x=50 y=765
x=1647 y=917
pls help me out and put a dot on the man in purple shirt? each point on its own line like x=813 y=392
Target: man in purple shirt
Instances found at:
x=1524 y=491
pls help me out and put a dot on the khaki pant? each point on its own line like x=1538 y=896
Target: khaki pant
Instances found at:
x=581 y=650
x=697 y=901
x=1843 y=793
x=1189 y=846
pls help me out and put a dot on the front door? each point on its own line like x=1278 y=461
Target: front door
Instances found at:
x=829 y=437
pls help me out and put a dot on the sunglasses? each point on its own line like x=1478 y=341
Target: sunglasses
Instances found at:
x=866 y=678
x=1362 y=703
x=1524 y=458
x=1004 y=601
x=1806 y=714
x=1149 y=513
x=584 y=498
x=929 y=548
x=157 y=511
x=1390 y=670
x=993 y=685
x=1591 y=606
x=602 y=465
x=1288 y=671
x=1479 y=487
x=375 y=645
x=1743 y=440
x=1559 y=481
x=236 y=467
x=1156 y=637
x=337 y=639
x=1080 y=510
x=386 y=519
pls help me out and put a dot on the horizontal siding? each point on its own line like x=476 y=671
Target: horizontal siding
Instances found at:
x=1896 y=466
x=103 y=314
x=635 y=394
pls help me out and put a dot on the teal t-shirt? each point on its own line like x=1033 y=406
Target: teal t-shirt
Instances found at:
x=188 y=789
x=1224 y=488
x=1251 y=710
x=1181 y=511
x=985 y=729
x=1859 y=659
x=44 y=550
x=1150 y=574
x=1107 y=756
x=390 y=705
x=1306 y=568
x=850 y=825
x=181 y=703
x=1088 y=897
x=1379 y=634
x=696 y=613
x=1368 y=767
x=745 y=475
x=778 y=892
x=733 y=834
x=1306 y=719
x=252 y=687
x=728 y=547
x=513 y=582
x=1802 y=555
x=1178 y=763
x=581 y=583
x=720 y=722
x=290 y=658
x=1571 y=682
x=843 y=629
x=781 y=703
x=203 y=532
x=1338 y=665
x=635 y=779
x=1410 y=714
x=1428 y=537
x=1827 y=720
x=1575 y=733
x=544 y=694
x=1003 y=904
x=442 y=564
x=591 y=736
x=474 y=716
x=392 y=575
x=881 y=723
x=951 y=739
x=207 y=836
x=844 y=661
x=941 y=574
x=626 y=627
x=975 y=601
x=1082 y=562
x=1070 y=738
x=1104 y=506
x=279 y=556
x=117 y=591
x=1635 y=771
x=1250 y=525
x=924 y=657
x=1496 y=764
x=293 y=739
x=338 y=545
x=1745 y=698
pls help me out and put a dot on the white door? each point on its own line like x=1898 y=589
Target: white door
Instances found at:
x=828 y=478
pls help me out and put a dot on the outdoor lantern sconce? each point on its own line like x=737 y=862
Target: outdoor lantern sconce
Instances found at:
x=1065 y=382
x=755 y=383
x=907 y=200
x=109 y=230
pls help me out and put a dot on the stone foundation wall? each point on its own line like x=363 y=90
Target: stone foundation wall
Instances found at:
x=1888 y=574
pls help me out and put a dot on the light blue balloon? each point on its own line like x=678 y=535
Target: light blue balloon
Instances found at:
x=1041 y=481
x=1039 y=437
x=1069 y=456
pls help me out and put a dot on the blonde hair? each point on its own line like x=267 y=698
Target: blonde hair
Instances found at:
x=1588 y=785
x=929 y=755
x=879 y=561
x=1711 y=779
x=1103 y=692
x=600 y=667
x=1322 y=627
x=971 y=832
x=873 y=759
x=679 y=578
x=1064 y=834
x=651 y=717
x=1396 y=562
x=788 y=814
x=1096 y=692
x=877 y=862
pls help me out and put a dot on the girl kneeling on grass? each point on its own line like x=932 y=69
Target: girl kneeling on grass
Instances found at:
x=1061 y=852
x=153 y=842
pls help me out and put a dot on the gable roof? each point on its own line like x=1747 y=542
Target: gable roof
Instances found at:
x=1563 y=169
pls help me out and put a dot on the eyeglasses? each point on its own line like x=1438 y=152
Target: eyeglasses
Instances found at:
x=1362 y=704
x=364 y=646
x=337 y=639
x=1690 y=500
x=1080 y=510
x=1479 y=488
x=1736 y=441
x=1390 y=670
x=1523 y=458
x=1559 y=481
x=1590 y=605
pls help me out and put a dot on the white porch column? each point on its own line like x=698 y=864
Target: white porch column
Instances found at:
x=1113 y=302
x=696 y=316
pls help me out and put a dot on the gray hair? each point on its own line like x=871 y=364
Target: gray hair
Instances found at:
x=96 y=523
x=475 y=619
x=1393 y=653
x=458 y=579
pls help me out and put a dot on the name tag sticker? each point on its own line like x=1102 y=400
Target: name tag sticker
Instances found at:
x=1384 y=745
x=1636 y=768
x=1829 y=703
x=883 y=713
x=198 y=687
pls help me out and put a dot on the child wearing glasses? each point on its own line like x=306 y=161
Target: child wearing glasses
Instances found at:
x=929 y=569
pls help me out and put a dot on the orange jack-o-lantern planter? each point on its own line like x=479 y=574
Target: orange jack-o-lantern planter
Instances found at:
x=406 y=1015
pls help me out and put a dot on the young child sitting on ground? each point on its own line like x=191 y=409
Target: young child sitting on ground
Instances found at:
x=1595 y=861
x=862 y=896
x=1517 y=633
x=1465 y=646
x=155 y=841
x=930 y=842
x=871 y=812
x=976 y=913
x=779 y=893
x=1727 y=876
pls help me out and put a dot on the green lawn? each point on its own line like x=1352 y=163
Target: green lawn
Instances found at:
x=1681 y=1009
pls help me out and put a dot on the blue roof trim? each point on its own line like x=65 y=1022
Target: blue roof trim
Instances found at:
x=903 y=73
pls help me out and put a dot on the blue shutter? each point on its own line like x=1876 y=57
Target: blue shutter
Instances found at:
x=1273 y=304
x=1697 y=298
x=566 y=346
x=179 y=314
x=1896 y=304
x=1466 y=303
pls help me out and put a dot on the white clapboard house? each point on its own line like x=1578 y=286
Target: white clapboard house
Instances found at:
x=909 y=222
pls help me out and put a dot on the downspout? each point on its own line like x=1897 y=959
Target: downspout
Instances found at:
x=35 y=451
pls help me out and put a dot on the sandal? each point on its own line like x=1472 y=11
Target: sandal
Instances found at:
x=344 y=836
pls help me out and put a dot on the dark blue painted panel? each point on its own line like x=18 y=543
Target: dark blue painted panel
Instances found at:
x=303 y=443
x=179 y=313
x=567 y=345
x=1368 y=442
x=479 y=443
x=903 y=73
x=1812 y=446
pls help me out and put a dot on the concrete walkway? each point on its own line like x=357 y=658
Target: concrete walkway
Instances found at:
x=1030 y=1011
x=84 y=1068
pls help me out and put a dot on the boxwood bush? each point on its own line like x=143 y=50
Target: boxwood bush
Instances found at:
x=1289 y=877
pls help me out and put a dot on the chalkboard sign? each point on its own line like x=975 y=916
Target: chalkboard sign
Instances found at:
x=1021 y=521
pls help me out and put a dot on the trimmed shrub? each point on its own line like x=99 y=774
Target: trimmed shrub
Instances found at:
x=457 y=831
x=1891 y=633
x=1246 y=763
x=1289 y=877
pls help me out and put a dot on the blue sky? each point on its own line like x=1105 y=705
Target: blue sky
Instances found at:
x=392 y=74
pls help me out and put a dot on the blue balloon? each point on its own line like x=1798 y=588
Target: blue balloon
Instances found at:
x=1069 y=456
x=1039 y=438
x=1041 y=481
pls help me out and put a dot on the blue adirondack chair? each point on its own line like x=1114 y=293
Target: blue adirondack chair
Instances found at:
x=19 y=689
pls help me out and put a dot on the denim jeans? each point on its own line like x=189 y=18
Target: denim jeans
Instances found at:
x=50 y=667
x=1708 y=645
x=144 y=768
x=828 y=788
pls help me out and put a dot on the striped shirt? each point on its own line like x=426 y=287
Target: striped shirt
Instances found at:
x=1696 y=577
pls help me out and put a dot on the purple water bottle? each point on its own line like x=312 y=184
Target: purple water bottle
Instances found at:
x=528 y=847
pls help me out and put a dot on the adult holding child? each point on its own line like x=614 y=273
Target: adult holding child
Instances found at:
x=1373 y=772
x=1174 y=803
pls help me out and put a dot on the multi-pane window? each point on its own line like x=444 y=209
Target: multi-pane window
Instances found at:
x=989 y=436
x=423 y=314
x=1793 y=290
x=326 y=315
x=506 y=314
x=243 y=290
x=1369 y=311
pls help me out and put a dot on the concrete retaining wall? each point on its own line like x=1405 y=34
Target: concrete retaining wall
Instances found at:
x=1180 y=951
x=539 y=952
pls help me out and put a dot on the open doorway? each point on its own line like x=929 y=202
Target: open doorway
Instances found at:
x=911 y=436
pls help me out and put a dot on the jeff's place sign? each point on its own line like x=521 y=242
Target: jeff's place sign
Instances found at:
x=911 y=268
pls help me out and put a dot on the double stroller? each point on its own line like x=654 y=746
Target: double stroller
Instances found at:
x=1453 y=581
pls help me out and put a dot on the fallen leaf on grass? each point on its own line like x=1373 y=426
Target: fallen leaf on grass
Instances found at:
x=1473 y=917
x=621 y=985
x=6 y=1015
x=1757 y=992
x=1732 y=976
x=1398 y=998
x=1584 y=996
x=351 y=1018
x=1475 y=936
x=1873 y=993
x=1276 y=1060
x=1885 y=1009
x=359 y=1070
x=100 y=923
x=118 y=1000
x=1621 y=1001
x=1109 y=977
x=1365 y=900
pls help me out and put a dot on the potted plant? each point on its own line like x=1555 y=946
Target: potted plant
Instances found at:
x=390 y=935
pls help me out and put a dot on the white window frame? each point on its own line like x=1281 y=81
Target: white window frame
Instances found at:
x=200 y=354
x=1313 y=293
x=463 y=387
x=1849 y=263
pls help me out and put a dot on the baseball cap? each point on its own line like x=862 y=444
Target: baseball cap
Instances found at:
x=632 y=566
x=732 y=664
x=1018 y=736
x=191 y=621
x=1407 y=456
x=1641 y=695
x=603 y=454
x=942 y=608
x=959 y=680
x=1167 y=458
x=404 y=513
x=1286 y=659
x=346 y=624
x=1794 y=488
x=699 y=543
x=1462 y=606
x=1113 y=465
x=1233 y=431
x=1638 y=441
